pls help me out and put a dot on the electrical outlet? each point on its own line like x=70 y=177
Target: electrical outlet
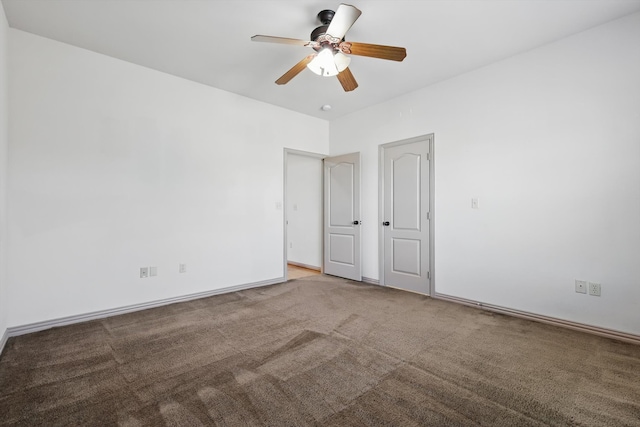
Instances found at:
x=475 y=203
x=581 y=286
x=182 y=268
x=594 y=289
x=144 y=272
x=153 y=271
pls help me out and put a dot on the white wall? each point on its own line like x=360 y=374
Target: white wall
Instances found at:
x=304 y=210
x=4 y=143
x=114 y=166
x=549 y=141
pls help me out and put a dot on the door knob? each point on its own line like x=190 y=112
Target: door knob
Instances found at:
x=386 y=223
x=356 y=222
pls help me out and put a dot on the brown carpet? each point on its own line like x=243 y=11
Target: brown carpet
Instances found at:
x=317 y=351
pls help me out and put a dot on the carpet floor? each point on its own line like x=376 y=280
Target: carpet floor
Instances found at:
x=318 y=351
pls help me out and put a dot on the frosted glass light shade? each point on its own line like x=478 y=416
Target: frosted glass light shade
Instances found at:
x=324 y=64
x=342 y=61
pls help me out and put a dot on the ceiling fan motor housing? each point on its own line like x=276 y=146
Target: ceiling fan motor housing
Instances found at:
x=320 y=33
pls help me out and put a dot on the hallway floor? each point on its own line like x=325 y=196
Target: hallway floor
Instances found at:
x=295 y=272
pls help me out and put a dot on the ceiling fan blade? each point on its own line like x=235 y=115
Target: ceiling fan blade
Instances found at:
x=374 y=50
x=347 y=80
x=282 y=40
x=295 y=70
x=344 y=18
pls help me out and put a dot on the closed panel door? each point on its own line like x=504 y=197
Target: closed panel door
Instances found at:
x=342 y=216
x=406 y=216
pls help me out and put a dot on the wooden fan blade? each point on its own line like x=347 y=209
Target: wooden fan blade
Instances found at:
x=282 y=40
x=344 y=18
x=374 y=50
x=295 y=70
x=347 y=80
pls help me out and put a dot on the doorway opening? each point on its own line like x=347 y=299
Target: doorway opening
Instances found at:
x=303 y=204
x=296 y=272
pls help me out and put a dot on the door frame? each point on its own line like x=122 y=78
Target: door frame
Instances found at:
x=381 y=217
x=285 y=219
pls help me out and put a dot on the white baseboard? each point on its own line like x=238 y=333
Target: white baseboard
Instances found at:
x=370 y=281
x=595 y=330
x=39 y=326
x=307 y=266
x=603 y=332
x=3 y=341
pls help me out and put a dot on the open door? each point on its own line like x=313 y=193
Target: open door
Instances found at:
x=342 y=216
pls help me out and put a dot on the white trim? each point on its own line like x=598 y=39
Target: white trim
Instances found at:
x=594 y=330
x=307 y=266
x=432 y=213
x=305 y=153
x=381 y=215
x=370 y=281
x=39 y=326
x=3 y=341
x=63 y=321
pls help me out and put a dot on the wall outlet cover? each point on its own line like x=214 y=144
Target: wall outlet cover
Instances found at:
x=182 y=268
x=144 y=272
x=594 y=289
x=153 y=271
x=581 y=286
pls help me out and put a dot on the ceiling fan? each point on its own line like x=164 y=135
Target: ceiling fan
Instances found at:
x=330 y=48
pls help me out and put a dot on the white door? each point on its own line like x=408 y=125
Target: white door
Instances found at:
x=342 y=216
x=405 y=215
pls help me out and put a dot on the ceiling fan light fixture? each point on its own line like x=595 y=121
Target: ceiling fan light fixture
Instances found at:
x=324 y=64
x=342 y=61
x=328 y=42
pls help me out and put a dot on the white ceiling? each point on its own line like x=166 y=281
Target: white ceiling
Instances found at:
x=209 y=41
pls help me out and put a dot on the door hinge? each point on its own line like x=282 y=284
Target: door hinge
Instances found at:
x=429 y=216
x=429 y=275
x=428 y=156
